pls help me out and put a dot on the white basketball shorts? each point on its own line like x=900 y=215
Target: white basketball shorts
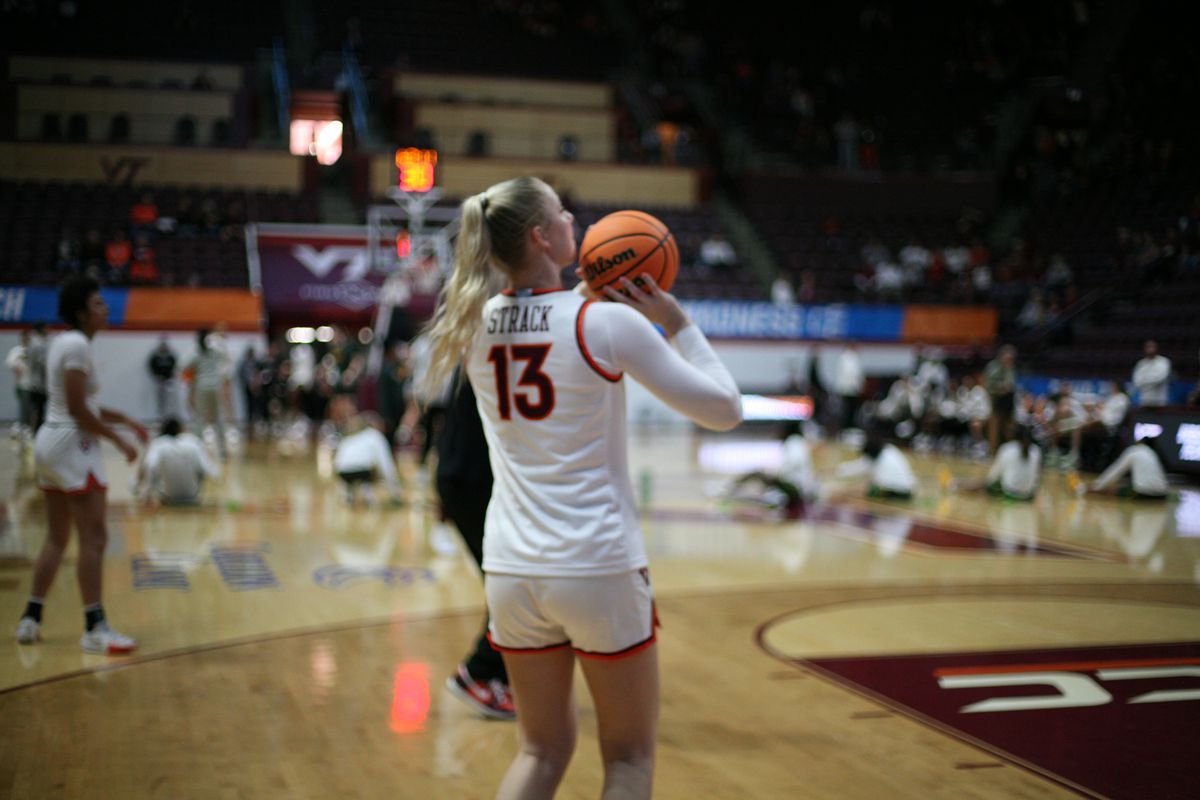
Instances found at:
x=68 y=460
x=601 y=616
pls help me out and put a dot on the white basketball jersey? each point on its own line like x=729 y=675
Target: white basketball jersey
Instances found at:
x=562 y=503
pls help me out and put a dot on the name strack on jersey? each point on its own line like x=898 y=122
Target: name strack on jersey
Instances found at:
x=519 y=319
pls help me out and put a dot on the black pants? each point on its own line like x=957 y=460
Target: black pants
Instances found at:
x=37 y=409
x=466 y=506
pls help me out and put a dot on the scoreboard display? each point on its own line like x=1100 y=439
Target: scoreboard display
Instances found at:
x=1178 y=430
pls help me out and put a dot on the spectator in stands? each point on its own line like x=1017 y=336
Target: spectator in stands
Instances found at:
x=1152 y=376
x=875 y=251
x=68 y=261
x=210 y=217
x=92 y=253
x=144 y=268
x=846 y=132
x=889 y=281
x=175 y=467
x=1000 y=381
x=117 y=255
x=1033 y=313
x=234 y=221
x=915 y=259
x=957 y=258
x=806 y=293
x=161 y=365
x=143 y=216
x=1059 y=278
x=717 y=254
x=187 y=219
x=782 y=294
x=981 y=283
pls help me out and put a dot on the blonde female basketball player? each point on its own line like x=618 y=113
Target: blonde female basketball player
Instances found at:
x=563 y=553
x=70 y=469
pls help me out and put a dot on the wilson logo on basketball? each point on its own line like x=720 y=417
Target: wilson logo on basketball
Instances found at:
x=601 y=265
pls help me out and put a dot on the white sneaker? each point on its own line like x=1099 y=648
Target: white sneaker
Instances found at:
x=29 y=631
x=103 y=639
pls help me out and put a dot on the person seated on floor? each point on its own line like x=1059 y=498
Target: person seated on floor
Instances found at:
x=891 y=474
x=1016 y=470
x=1142 y=462
x=788 y=490
x=363 y=458
x=175 y=467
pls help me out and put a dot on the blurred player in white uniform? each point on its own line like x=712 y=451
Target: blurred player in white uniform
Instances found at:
x=175 y=466
x=70 y=468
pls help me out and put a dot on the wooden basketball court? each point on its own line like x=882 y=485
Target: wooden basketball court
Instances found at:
x=956 y=646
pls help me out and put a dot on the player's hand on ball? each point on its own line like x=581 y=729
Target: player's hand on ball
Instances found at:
x=658 y=306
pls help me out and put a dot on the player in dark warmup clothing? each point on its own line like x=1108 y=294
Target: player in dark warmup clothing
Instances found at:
x=464 y=484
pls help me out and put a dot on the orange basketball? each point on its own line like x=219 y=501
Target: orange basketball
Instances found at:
x=628 y=244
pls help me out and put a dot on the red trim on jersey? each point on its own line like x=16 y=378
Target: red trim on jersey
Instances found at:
x=531 y=292
x=93 y=485
x=612 y=377
x=527 y=651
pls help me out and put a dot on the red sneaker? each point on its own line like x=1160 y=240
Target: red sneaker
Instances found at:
x=491 y=699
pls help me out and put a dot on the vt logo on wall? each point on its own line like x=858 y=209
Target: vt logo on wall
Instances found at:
x=322 y=270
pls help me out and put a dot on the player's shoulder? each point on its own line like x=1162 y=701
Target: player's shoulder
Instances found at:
x=610 y=313
x=69 y=341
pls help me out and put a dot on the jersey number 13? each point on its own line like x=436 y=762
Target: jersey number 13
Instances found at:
x=534 y=356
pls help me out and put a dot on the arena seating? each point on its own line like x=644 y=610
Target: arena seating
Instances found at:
x=34 y=216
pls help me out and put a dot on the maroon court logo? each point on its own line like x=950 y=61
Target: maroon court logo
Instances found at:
x=1118 y=722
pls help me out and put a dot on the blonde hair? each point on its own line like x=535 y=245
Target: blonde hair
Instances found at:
x=491 y=242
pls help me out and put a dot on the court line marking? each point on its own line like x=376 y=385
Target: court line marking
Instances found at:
x=296 y=633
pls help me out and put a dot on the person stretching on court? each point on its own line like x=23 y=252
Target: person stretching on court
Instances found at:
x=1016 y=470
x=70 y=468
x=565 y=565
x=892 y=476
x=1147 y=478
x=175 y=467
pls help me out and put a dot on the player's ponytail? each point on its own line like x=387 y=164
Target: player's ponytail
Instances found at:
x=1025 y=437
x=491 y=240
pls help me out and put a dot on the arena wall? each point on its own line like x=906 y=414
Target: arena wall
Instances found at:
x=591 y=183
x=514 y=91
x=250 y=169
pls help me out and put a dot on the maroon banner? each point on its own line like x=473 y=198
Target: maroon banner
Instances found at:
x=322 y=272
